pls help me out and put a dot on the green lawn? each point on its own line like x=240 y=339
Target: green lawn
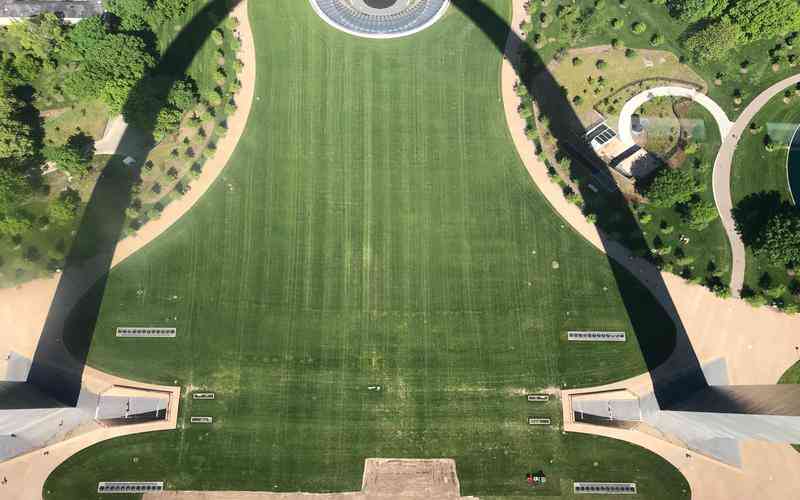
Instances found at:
x=756 y=170
x=374 y=227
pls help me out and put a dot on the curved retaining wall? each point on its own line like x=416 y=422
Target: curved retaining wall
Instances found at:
x=345 y=18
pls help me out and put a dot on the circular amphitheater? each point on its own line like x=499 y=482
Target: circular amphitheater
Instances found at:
x=380 y=18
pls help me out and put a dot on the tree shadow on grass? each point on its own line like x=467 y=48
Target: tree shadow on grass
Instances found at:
x=674 y=377
x=60 y=357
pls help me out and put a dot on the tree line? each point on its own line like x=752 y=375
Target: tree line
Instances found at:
x=719 y=26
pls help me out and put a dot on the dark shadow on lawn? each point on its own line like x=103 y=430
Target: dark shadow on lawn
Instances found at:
x=675 y=377
x=58 y=364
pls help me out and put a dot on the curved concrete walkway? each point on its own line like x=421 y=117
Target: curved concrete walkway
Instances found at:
x=758 y=345
x=721 y=181
x=24 y=309
x=636 y=102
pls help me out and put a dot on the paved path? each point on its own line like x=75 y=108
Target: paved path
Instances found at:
x=758 y=345
x=721 y=181
x=112 y=136
x=636 y=102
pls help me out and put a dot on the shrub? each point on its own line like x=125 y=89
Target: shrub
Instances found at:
x=616 y=24
x=700 y=214
x=670 y=187
x=630 y=53
x=638 y=27
x=601 y=64
x=656 y=40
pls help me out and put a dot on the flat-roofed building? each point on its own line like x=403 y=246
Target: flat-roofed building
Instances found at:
x=633 y=162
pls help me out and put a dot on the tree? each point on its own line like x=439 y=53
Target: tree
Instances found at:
x=780 y=239
x=41 y=36
x=764 y=19
x=14 y=188
x=714 y=41
x=84 y=36
x=130 y=12
x=65 y=207
x=16 y=139
x=110 y=69
x=68 y=159
x=168 y=121
x=14 y=225
x=170 y=9
x=699 y=214
x=670 y=187
x=696 y=10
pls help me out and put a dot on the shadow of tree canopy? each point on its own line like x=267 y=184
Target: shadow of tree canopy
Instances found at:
x=753 y=212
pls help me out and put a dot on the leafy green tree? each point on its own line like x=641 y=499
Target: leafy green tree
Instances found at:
x=764 y=19
x=183 y=94
x=780 y=239
x=65 y=208
x=110 y=69
x=16 y=140
x=41 y=36
x=714 y=41
x=13 y=225
x=696 y=10
x=170 y=9
x=68 y=159
x=168 y=121
x=14 y=188
x=84 y=36
x=130 y=12
x=699 y=214
x=670 y=187
x=158 y=104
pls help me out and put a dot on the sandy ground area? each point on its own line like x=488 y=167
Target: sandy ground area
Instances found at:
x=23 y=310
x=384 y=478
x=759 y=345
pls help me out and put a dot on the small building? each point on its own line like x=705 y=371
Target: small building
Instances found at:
x=71 y=11
x=632 y=162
